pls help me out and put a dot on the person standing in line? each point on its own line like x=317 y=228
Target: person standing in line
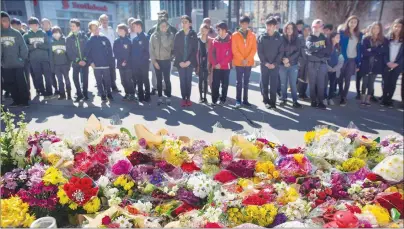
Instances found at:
x=122 y=51
x=60 y=63
x=221 y=57
x=162 y=16
x=359 y=75
x=14 y=52
x=202 y=58
x=211 y=35
x=185 y=49
x=300 y=26
x=47 y=28
x=302 y=81
x=161 y=48
x=244 y=48
x=328 y=29
x=38 y=46
x=394 y=61
x=99 y=54
x=318 y=52
x=140 y=61
x=374 y=48
x=334 y=65
x=109 y=32
x=270 y=53
x=76 y=43
x=350 y=44
x=288 y=70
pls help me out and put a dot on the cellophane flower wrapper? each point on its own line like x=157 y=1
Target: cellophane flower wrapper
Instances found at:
x=294 y=165
x=391 y=168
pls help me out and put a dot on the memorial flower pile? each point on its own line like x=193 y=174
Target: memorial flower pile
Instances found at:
x=113 y=179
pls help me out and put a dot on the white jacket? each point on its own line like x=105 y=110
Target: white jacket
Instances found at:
x=109 y=33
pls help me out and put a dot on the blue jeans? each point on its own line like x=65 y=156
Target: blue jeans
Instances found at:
x=243 y=80
x=288 y=74
x=185 y=81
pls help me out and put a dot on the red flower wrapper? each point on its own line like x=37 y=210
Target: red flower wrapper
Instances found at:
x=260 y=198
x=137 y=158
x=224 y=176
x=189 y=167
x=185 y=207
x=80 y=190
x=212 y=225
x=242 y=168
x=391 y=200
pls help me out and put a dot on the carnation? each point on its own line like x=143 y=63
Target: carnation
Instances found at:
x=121 y=167
x=242 y=168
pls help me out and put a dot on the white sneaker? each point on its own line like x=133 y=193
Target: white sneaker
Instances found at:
x=325 y=101
x=331 y=102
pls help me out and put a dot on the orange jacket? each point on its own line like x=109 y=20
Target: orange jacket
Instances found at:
x=244 y=50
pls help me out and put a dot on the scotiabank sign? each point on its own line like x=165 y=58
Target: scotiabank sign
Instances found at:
x=84 y=6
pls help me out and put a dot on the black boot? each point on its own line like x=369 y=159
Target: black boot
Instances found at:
x=69 y=95
x=62 y=96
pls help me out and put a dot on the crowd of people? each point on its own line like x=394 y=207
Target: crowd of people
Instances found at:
x=297 y=57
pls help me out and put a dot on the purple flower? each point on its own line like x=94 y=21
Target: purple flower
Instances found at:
x=188 y=197
x=283 y=150
x=141 y=172
x=384 y=143
x=156 y=178
x=364 y=224
x=142 y=143
x=165 y=166
x=279 y=219
x=121 y=167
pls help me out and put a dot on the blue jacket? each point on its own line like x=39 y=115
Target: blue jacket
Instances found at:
x=140 y=51
x=399 y=58
x=344 y=46
x=122 y=51
x=98 y=51
x=373 y=60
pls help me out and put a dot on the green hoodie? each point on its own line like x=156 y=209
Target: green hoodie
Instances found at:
x=58 y=50
x=41 y=52
x=14 y=51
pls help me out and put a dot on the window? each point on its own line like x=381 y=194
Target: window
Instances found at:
x=62 y=14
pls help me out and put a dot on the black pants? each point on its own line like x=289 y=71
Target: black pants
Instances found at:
x=84 y=80
x=368 y=84
x=347 y=71
x=359 y=77
x=27 y=71
x=317 y=76
x=269 y=77
x=16 y=83
x=141 y=77
x=126 y=80
x=243 y=80
x=164 y=71
x=103 y=80
x=113 y=74
x=203 y=82
x=220 y=76
x=62 y=73
x=390 y=78
x=54 y=81
x=302 y=88
x=43 y=69
x=332 y=78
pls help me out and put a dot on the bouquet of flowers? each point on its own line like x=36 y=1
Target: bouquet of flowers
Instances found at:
x=14 y=213
x=294 y=165
x=261 y=215
x=392 y=145
x=296 y=210
x=79 y=193
x=12 y=181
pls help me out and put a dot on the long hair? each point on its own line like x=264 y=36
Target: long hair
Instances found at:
x=379 y=38
x=347 y=31
x=162 y=22
x=203 y=26
x=391 y=33
x=332 y=35
x=295 y=33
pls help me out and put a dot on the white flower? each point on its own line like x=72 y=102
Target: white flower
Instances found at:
x=103 y=181
x=212 y=214
x=201 y=185
x=123 y=222
x=114 y=200
x=60 y=149
x=222 y=196
x=143 y=207
x=46 y=145
x=111 y=192
x=297 y=210
x=116 y=156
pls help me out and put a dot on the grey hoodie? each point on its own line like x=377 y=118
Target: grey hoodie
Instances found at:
x=14 y=51
x=161 y=46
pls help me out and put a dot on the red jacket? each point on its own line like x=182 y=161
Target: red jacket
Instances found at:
x=220 y=52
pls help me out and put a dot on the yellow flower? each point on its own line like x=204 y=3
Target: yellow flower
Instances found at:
x=275 y=174
x=53 y=176
x=244 y=182
x=14 y=213
x=73 y=206
x=53 y=158
x=128 y=185
x=28 y=220
x=93 y=205
x=381 y=214
x=352 y=165
x=298 y=157
x=309 y=137
x=360 y=152
x=210 y=154
x=63 y=198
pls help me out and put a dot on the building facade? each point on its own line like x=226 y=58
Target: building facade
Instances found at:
x=264 y=9
x=176 y=8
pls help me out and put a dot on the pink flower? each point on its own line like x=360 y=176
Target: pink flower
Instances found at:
x=142 y=142
x=121 y=167
x=106 y=220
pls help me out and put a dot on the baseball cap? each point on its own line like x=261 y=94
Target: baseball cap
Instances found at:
x=317 y=23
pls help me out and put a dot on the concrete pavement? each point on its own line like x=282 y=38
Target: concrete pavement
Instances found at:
x=286 y=125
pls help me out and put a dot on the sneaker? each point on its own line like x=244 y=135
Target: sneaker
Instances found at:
x=322 y=106
x=14 y=104
x=153 y=92
x=325 y=101
x=201 y=100
x=297 y=105
x=247 y=104
x=363 y=104
x=85 y=98
x=205 y=100
x=104 y=98
x=343 y=103
x=62 y=97
x=368 y=104
x=358 y=96
x=159 y=102
x=374 y=99
x=331 y=102
x=267 y=106
x=147 y=100
x=222 y=103
x=189 y=103
x=24 y=105
x=57 y=93
x=383 y=104
x=283 y=103
x=110 y=98
x=390 y=105
x=47 y=97
x=78 y=99
x=212 y=104
x=115 y=89
x=238 y=105
x=126 y=97
x=273 y=106
x=313 y=104
x=168 y=102
x=183 y=103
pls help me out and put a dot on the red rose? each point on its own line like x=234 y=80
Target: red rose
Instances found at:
x=100 y=157
x=212 y=225
x=321 y=195
x=106 y=220
x=372 y=177
x=328 y=191
x=224 y=176
x=318 y=202
x=189 y=167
